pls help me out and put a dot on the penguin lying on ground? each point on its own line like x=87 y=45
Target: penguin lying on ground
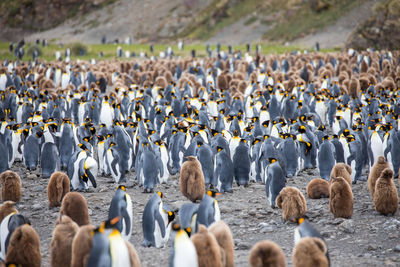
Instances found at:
x=267 y=253
x=318 y=188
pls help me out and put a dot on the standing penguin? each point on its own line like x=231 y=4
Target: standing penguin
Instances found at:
x=241 y=163
x=310 y=251
x=191 y=179
x=275 y=181
x=57 y=188
x=61 y=242
x=183 y=252
x=208 y=211
x=113 y=162
x=206 y=158
x=224 y=170
x=156 y=222
x=386 y=199
x=188 y=217
x=32 y=151
x=49 y=159
x=109 y=248
x=8 y=225
x=24 y=237
x=341 y=198
x=10 y=186
x=121 y=206
x=207 y=248
x=326 y=158
x=375 y=173
x=149 y=169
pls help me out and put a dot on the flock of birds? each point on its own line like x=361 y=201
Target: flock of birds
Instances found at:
x=227 y=118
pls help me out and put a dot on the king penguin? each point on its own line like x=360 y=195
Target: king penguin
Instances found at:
x=208 y=211
x=121 y=206
x=183 y=252
x=224 y=170
x=7 y=227
x=275 y=181
x=156 y=222
x=241 y=163
x=188 y=217
x=306 y=229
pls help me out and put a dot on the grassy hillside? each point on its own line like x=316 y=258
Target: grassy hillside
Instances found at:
x=110 y=50
x=288 y=19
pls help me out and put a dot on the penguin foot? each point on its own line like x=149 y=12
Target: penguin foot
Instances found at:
x=122 y=181
x=148 y=190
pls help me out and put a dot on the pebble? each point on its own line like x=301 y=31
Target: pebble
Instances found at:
x=397 y=248
x=347 y=226
x=36 y=206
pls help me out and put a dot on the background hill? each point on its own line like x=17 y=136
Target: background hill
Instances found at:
x=332 y=23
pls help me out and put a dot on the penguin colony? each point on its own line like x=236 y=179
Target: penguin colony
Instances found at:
x=233 y=118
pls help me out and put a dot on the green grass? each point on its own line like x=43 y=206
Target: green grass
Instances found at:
x=109 y=50
x=305 y=21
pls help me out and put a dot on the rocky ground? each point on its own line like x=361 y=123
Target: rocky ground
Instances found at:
x=368 y=239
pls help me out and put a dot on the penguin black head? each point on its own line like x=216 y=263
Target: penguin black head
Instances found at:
x=213 y=193
x=256 y=141
x=321 y=128
x=302 y=129
x=12 y=264
x=326 y=137
x=266 y=136
x=122 y=187
x=300 y=220
x=87 y=139
x=161 y=195
x=243 y=141
x=350 y=138
x=171 y=216
x=346 y=132
x=271 y=160
x=199 y=144
x=82 y=146
x=219 y=148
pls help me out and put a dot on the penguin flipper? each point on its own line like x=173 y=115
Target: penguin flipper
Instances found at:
x=387 y=150
x=91 y=178
x=127 y=219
